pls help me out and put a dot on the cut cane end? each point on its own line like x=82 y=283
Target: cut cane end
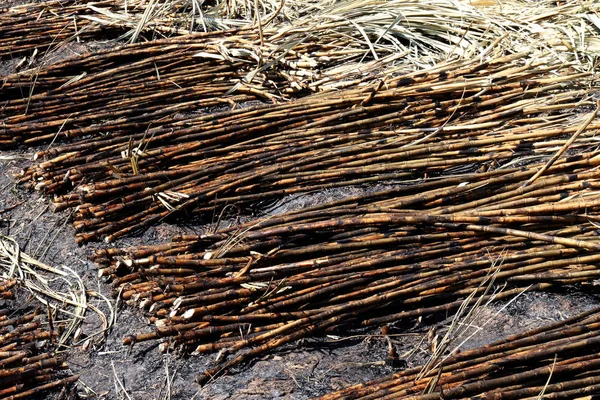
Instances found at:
x=177 y=303
x=163 y=347
x=129 y=340
x=202 y=379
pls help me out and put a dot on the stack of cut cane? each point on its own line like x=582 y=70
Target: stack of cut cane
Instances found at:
x=556 y=361
x=28 y=363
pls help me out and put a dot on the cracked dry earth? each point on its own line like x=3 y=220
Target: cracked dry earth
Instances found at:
x=302 y=370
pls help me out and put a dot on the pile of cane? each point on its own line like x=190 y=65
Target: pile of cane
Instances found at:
x=557 y=361
x=121 y=92
x=461 y=116
x=368 y=260
x=28 y=363
x=128 y=89
x=31 y=30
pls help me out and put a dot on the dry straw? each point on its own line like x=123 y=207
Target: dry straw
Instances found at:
x=60 y=290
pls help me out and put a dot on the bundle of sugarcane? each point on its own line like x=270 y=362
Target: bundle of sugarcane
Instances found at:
x=37 y=28
x=477 y=113
x=126 y=90
x=46 y=25
x=119 y=91
x=556 y=361
x=28 y=363
x=405 y=252
x=41 y=314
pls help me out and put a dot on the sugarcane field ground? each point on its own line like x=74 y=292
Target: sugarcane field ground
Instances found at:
x=302 y=370
x=277 y=199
